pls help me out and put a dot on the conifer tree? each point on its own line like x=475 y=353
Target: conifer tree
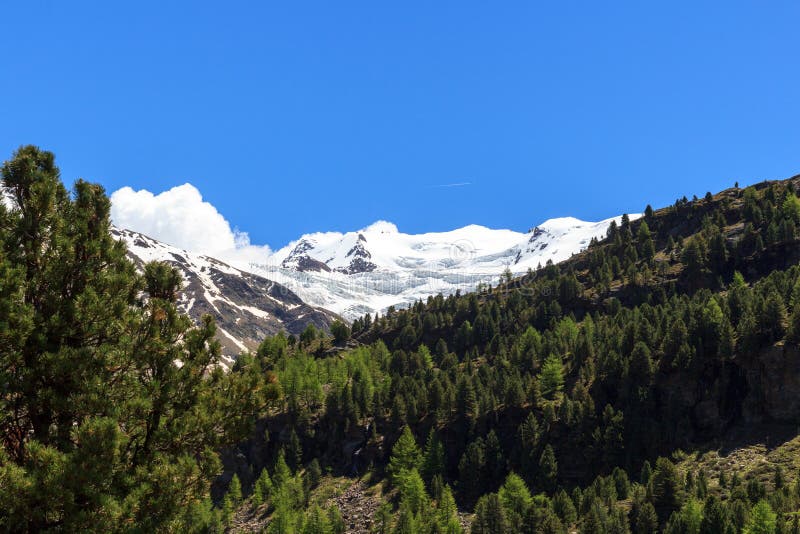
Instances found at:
x=551 y=379
x=716 y=518
x=666 y=482
x=646 y=248
x=405 y=455
x=317 y=522
x=763 y=519
x=112 y=404
x=433 y=458
x=548 y=469
x=645 y=520
x=515 y=499
x=489 y=516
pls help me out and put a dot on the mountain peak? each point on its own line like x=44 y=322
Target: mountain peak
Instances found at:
x=368 y=270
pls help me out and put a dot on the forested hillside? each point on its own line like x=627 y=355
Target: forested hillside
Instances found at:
x=570 y=398
x=647 y=384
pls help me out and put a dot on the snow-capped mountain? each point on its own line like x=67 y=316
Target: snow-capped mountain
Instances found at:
x=369 y=270
x=246 y=307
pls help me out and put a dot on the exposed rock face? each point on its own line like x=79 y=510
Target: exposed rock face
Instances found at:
x=750 y=389
x=246 y=307
x=299 y=260
x=774 y=384
x=360 y=259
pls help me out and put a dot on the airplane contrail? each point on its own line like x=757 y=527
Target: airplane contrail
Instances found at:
x=457 y=184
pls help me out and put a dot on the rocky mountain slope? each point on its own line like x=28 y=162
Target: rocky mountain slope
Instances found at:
x=246 y=306
x=367 y=271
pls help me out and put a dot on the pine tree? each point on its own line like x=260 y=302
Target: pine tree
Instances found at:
x=101 y=427
x=262 y=488
x=235 y=489
x=516 y=500
x=646 y=474
x=405 y=455
x=489 y=516
x=551 y=379
x=406 y=522
x=412 y=491
x=294 y=450
x=308 y=335
x=646 y=248
x=763 y=519
x=314 y=473
x=447 y=513
x=548 y=469
x=281 y=472
x=773 y=321
x=564 y=507
x=383 y=519
x=472 y=470
x=433 y=458
x=694 y=256
x=716 y=519
x=641 y=367
x=645 y=519
x=340 y=332
x=335 y=519
x=317 y=522
x=666 y=486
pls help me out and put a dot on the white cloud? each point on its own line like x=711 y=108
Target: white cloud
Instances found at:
x=180 y=217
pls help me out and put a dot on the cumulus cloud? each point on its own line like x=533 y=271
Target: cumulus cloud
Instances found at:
x=180 y=217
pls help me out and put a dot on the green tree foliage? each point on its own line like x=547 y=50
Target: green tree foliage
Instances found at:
x=340 y=332
x=763 y=519
x=112 y=406
x=432 y=459
x=551 y=378
x=688 y=520
x=308 y=335
x=262 y=488
x=516 y=500
x=335 y=519
x=646 y=247
x=548 y=469
x=791 y=208
x=489 y=516
x=317 y=522
x=645 y=519
x=666 y=482
x=405 y=457
x=472 y=470
x=716 y=517
x=412 y=492
x=605 y=358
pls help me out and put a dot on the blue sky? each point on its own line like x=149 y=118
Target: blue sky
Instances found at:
x=293 y=117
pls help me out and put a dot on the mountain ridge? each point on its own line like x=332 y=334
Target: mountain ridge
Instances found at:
x=376 y=267
x=326 y=275
x=245 y=306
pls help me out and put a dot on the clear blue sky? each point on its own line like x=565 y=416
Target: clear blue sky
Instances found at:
x=293 y=117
